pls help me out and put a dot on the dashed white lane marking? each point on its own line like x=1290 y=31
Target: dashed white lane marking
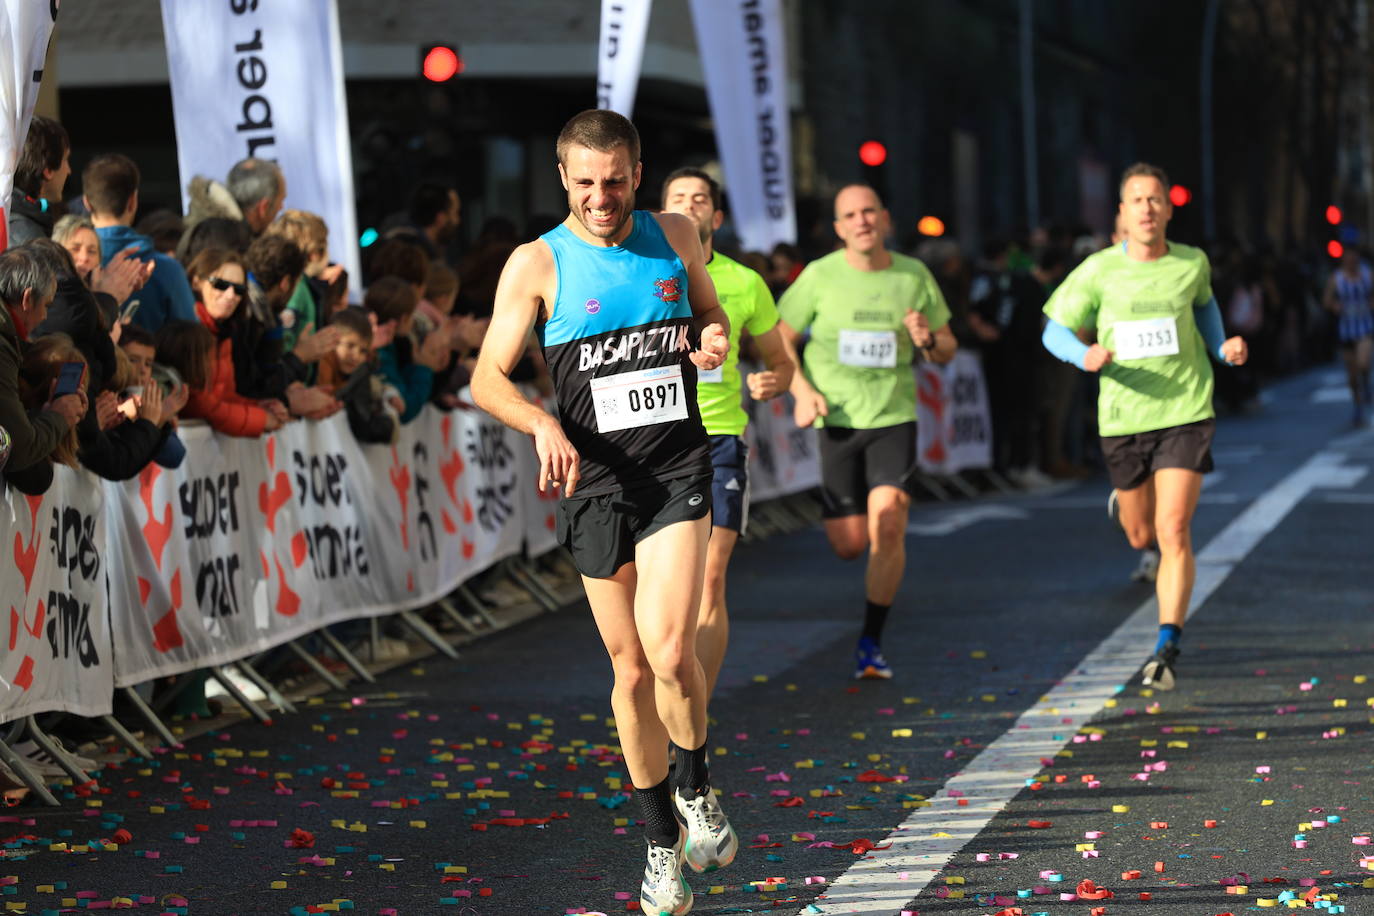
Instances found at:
x=924 y=843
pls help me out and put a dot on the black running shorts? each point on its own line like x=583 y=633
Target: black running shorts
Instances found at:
x=854 y=461
x=601 y=531
x=1132 y=459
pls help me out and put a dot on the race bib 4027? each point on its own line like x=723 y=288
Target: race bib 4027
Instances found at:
x=868 y=349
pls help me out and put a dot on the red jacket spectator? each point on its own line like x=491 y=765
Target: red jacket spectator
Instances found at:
x=219 y=403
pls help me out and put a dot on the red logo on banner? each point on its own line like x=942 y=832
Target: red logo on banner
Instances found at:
x=166 y=633
x=450 y=468
x=299 y=548
x=468 y=548
x=288 y=602
x=27 y=560
x=931 y=395
x=155 y=532
x=400 y=479
x=449 y=525
x=36 y=631
x=24 y=677
x=269 y=501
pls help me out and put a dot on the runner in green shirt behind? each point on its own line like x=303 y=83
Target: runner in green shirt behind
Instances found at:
x=1157 y=323
x=869 y=310
x=745 y=297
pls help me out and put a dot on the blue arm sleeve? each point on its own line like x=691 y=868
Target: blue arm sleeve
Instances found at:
x=1208 y=319
x=1064 y=343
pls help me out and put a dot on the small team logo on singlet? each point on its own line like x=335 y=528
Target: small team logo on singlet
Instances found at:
x=592 y=306
x=669 y=290
x=694 y=499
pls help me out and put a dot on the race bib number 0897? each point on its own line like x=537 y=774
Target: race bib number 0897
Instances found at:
x=1145 y=338
x=642 y=398
x=868 y=349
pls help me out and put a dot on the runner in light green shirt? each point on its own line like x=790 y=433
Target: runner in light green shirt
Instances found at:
x=868 y=310
x=749 y=305
x=1150 y=301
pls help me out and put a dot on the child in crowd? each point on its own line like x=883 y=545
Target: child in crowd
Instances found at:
x=435 y=313
x=43 y=359
x=307 y=307
x=141 y=353
x=410 y=368
x=373 y=406
x=189 y=348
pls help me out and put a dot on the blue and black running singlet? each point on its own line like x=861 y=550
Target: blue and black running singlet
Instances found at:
x=617 y=344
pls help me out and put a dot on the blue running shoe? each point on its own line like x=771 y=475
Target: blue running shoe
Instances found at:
x=869 y=663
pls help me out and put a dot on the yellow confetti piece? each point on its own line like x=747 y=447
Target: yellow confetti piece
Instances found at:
x=901 y=733
x=1266 y=802
x=857 y=736
x=46 y=888
x=418 y=824
x=278 y=885
x=1339 y=704
x=978 y=653
x=956 y=895
x=954 y=879
x=387 y=866
x=989 y=698
x=910 y=700
x=941 y=836
x=760 y=679
x=716 y=889
x=1149 y=742
x=1121 y=809
x=1085 y=847
x=455 y=869
x=1177 y=744
x=1266 y=901
x=790 y=688
x=1260 y=736
x=57 y=847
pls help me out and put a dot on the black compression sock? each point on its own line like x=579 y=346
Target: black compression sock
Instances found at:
x=692 y=774
x=875 y=615
x=660 y=822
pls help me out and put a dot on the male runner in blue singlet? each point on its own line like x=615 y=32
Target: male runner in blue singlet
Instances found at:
x=617 y=296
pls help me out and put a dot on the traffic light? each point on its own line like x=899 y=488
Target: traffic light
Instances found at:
x=931 y=226
x=1179 y=195
x=1333 y=215
x=1340 y=234
x=872 y=153
x=440 y=63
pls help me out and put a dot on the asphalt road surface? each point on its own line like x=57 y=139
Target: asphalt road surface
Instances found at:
x=1014 y=756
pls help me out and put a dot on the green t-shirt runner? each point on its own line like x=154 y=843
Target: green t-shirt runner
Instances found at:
x=745 y=297
x=860 y=353
x=1159 y=376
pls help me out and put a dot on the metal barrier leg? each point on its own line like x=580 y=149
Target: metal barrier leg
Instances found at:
x=273 y=694
x=962 y=485
x=20 y=768
x=348 y=658
x=532 y=585
x=54 y=751
x=123 y=734
x=253 y=709
x=457 y=616
x=426 y=632
x=151 y=718
x=475 y=604
x=325 y=674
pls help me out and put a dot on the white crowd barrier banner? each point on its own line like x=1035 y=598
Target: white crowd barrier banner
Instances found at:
x=744 y=58
x=59 y=654
x=265 y=80
x=954 y=428
x=782 y=458
x=25 y=27
x=624 y=25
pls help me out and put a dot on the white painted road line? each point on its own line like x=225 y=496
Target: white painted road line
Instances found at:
x=925 y=842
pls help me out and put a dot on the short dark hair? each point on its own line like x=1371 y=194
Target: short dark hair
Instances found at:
x=210 y=260
x=353 y=321
x=427 y=201
x=188 y=347
x=108 y=182
x=600 y=130
x=47 y=142
x=1145 y=169
x=690 y=172
x=135 y=334
x=390 y=299
x=274 y=258
x=215 y=232
x=397 y=258
x=164 y=227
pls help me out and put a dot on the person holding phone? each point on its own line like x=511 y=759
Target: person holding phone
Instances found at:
x=26 y=287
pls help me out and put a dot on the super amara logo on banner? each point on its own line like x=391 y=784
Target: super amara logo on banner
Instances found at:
x=252 y=75
x=73 y=544
x=334 y=551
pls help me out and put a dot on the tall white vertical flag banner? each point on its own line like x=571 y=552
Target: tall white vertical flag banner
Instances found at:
x=25 y=27
x=740 y=43
x=266 y=80
x=620 y=53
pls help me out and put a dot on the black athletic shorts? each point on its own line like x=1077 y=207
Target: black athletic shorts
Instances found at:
x=854 y=461
x=1132 y=459
x=729 y=483
x=601 y=531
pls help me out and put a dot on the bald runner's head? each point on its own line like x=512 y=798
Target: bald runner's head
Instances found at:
x=861 y=220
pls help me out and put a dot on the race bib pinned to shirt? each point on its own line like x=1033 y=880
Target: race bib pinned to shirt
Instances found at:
x=868 y=349
x=711 y=375
x=629 y=400
x=1145 y=338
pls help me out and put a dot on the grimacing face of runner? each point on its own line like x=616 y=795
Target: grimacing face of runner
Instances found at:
x=1145 y=209
x=601 y=190
x=861 y=220
x=692 y=198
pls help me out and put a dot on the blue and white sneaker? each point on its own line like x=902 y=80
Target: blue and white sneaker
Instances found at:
x=664 y=892
x=711 y=841
x=869 y=663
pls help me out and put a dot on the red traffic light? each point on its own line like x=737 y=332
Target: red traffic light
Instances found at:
x=1335 y=249
x=442 y=64
x=872 y=153
x=1179 y=195
x=1333 y=215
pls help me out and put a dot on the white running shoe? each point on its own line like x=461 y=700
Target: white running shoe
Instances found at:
x=711 y=841
x=664 y=892
x=1148 y=570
